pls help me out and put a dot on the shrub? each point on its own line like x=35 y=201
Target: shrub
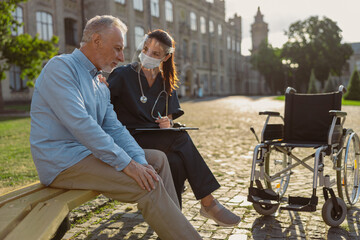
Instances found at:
x=312 y=83
x=353 y=89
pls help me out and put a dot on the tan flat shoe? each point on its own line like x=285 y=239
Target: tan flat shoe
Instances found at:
x=220 y=214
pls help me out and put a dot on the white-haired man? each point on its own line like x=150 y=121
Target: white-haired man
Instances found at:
x=78 y=143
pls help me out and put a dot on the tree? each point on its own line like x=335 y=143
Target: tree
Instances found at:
x=312 y=83
x=316 y=44
x=353 y=88
x=23 y=50
x=268 y=62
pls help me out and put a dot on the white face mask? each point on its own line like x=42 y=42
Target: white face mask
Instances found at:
x=149 y=62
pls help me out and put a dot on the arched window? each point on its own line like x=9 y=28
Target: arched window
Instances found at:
x=18 y=16
x=154 y=7
x=211 y=26
x=202 y=25
x=219 y=29
x=139 y=35
x=71 y=36
x=138 y=5
x=169 y=11
x=193 y=24
x=16 y=83
x=44 y=25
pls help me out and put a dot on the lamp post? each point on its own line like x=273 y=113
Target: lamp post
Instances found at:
x=293 y=67
x=288 y=65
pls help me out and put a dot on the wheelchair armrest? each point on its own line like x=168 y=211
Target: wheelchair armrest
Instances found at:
x=337 y=113
x=270 y=113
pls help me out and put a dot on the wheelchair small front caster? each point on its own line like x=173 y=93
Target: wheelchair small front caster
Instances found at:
x=330 y=216
x=265 y=209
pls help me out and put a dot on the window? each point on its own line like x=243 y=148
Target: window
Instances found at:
x=169 y=11
x=221 y=57
x=194 y=52
x=138 y=5
x=139 y=36
x=18 y=16
x=120 y=1
x=358 y=65
x=219 y=29
x=233 y=44
x=228 y=42
x=16 y=83
x=70 y=32
x=193 y=25
x=44 y=25
x=211 y=26
x=238 y=47
x=155 y=8
x=185 y=49
x=202 y=25
x=125 y=40
x=204 y=54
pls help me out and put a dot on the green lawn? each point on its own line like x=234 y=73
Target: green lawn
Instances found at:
x=344 y=102
x=16 y=165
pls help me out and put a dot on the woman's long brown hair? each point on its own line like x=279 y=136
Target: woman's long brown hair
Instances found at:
x=168 y=73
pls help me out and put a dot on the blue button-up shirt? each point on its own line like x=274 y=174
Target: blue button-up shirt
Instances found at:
x=72 y=117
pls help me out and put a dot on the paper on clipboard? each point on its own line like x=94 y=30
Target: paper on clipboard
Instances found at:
x=168 y=129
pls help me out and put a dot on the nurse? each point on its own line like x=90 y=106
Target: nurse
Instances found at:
x=144 y=96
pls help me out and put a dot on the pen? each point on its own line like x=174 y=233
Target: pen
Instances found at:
x=159 y=115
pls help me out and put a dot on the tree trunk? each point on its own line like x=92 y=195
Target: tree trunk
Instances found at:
x=1 y=98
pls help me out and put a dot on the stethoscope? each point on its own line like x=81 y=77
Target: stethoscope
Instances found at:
x=144 y=99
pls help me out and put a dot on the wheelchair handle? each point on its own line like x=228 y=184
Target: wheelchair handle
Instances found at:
x=253 y=131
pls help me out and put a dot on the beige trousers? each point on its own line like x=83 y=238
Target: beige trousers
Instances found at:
x=159 y=207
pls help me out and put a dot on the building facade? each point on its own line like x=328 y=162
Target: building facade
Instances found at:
x=208 y=48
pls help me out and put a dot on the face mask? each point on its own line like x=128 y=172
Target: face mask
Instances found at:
x=149 y=62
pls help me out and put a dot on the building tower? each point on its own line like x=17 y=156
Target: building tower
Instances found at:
x=259 y=31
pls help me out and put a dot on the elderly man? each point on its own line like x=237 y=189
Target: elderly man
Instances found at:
x=78 y=143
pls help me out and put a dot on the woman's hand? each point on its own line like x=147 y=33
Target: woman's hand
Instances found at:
x=103 y=79
x=164 y=122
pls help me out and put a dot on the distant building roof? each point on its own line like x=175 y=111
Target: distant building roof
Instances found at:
x=356 y=47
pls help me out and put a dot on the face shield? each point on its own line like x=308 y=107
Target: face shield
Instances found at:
x=150 y=53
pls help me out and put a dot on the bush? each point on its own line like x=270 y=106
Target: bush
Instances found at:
x=353 y=89
x=312 y=83
x=330 y=86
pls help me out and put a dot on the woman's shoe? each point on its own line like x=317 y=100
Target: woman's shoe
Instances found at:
x=220 y=214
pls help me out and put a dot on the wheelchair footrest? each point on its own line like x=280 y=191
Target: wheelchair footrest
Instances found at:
x=301 y=204
x=263 y=196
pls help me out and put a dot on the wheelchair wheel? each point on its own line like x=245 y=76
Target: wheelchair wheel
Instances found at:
x=276 y=161
x=349 y=177
x=329 y=214
x=265 y=209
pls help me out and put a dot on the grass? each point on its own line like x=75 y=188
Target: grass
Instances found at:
x=16 y=165
x=344 y=102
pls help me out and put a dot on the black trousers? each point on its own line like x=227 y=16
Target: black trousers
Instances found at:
x=184 y=159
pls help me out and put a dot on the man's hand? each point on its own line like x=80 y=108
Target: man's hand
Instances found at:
x=144 y=175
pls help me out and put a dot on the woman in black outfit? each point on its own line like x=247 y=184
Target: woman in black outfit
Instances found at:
x=144 y=96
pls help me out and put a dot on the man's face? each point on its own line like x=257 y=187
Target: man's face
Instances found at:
x=111 y=49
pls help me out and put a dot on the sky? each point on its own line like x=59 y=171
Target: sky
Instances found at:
x=280 y=14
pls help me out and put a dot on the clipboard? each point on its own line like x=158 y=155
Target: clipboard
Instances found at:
x=176 y=129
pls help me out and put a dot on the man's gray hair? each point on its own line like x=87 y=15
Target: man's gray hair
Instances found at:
x=99 y=24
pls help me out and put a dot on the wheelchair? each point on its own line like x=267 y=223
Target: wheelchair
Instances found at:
x=312 y=121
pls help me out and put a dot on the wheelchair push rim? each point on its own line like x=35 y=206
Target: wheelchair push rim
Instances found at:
x=351 y=178
x=275 y=161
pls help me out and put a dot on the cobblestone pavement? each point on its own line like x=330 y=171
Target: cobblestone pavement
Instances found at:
x=226 y=143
